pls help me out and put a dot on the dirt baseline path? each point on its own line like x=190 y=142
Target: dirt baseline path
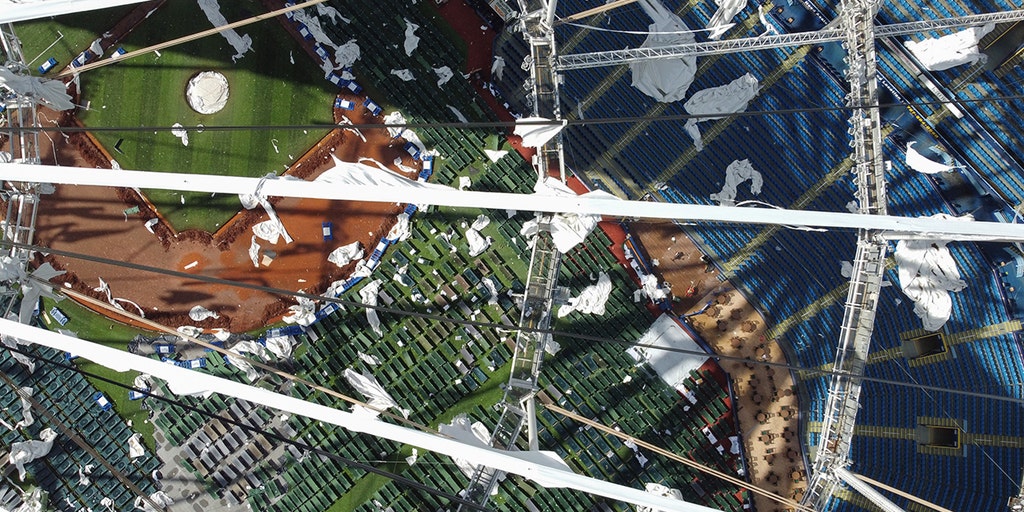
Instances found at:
x=93 y=221
x=111 y=223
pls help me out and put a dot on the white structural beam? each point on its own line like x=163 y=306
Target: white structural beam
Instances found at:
x=866 y=490
x=429 y=194
x=19 y=10
x=181 y=380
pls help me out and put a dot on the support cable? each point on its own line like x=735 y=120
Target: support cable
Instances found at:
x=75 y=438
x=595 y=121
x=269 y=434
x=686 y=462
x=812 y=372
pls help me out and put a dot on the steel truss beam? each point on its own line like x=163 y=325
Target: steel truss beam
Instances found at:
x=617 y=57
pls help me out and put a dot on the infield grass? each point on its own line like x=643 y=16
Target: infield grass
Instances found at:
x=266 y=89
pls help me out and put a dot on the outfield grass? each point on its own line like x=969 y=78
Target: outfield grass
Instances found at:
x=488 y=394
x=265 y=89
x=72 y=34
x=90 y=326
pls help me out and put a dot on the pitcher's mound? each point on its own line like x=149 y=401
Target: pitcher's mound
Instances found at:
x=207 y=92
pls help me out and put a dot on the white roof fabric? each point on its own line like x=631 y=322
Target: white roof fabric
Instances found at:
x=937 y=54
x=927 y=273
x=492 y=289
x=444 y=73
x=394 y=117
x=673 y=367
x=189 y=330
x=242 y=364
x=10 y=269
x=267 y=230
x=497 y=68
x=199 y=313
x=368 y=296
x=665 y=80
x=411 y=39
x=303 y=313
x=477 y=243
x=738 y=172
x=83 y=476
x=280 y=346
x=346 y=54
x=649 y=287
x=660 y=490
x=252 y=348
x=567 y=229
x=352 y=173
x=135 y=448
x=769 y=28
x=368 y=386
x=20 y=10
x=591 y=300
x=159 y=497
x=53 y=93
x=368 y=359
x=458 y=114
x=26 y=408
x=404 y=74
x=923 y=164
x=241 y=44
x=346 y=254
x=96 y=46
x=718 y=102
x=180 y=132
x=722 y=19
x=254 y=252
x=23 y=452
x=400 y=231
x=312 y=23
x=535 y=135
x=330 y=12
x=495 y=154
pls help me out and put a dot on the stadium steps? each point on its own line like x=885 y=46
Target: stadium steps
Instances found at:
x=988 y=331
x=613 y=76
x=1009 y=66
x=841 y=170
x=719 y=126
x=581 y=34
x=884 y=432
x=812 y=309
x=856 y=499
x=993 y=440
x=981 y=333
x=607 y=159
